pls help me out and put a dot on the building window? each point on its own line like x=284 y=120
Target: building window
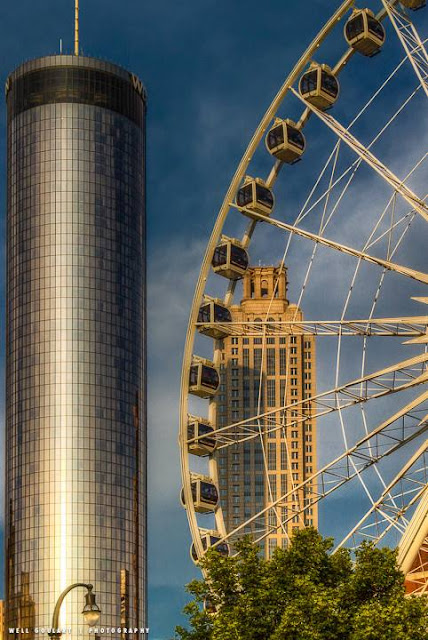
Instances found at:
x=257 y=360
x=282 y=361
x=283 y=485
x=264 y=289
x=283 y=456
x=271 y=400
x=282 y=388
x=271 y=456
x=270 y=369
x=246 y=361
x=272 y=546
x=235 y=340
x=235 y=351
x=272 y=482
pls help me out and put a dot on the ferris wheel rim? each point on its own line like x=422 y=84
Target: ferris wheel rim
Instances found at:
x=213 y=241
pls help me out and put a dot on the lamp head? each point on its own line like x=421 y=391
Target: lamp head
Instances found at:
x=91 y=611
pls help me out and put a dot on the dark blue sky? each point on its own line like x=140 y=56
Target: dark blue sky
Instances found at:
x=211 y=68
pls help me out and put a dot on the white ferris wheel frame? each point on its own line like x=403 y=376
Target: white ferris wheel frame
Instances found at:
x=385 y=381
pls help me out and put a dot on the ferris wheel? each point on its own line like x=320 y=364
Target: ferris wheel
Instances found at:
x=330 y=189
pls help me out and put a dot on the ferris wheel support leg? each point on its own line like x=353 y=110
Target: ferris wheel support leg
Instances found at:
x=414 y=536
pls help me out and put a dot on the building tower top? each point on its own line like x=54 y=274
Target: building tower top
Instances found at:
x=76 y=28
x=265 y=283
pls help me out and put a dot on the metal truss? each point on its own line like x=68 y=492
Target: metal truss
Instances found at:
x=409 y=38
x=398 y=377
x=344 y=134
x=342 y=248
x=415 y=326
x=388 y=437
x=389 y=511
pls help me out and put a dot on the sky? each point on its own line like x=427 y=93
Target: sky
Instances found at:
x=211 y=68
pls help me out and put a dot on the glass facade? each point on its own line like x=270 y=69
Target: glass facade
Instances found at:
x=76 y=403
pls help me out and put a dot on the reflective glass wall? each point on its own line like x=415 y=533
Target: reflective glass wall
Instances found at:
x=76 y=427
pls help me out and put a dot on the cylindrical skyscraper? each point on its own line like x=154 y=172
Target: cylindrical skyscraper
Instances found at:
x=76 y=403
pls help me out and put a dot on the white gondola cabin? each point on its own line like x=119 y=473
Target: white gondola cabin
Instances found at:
x=199 y=429
x=213 y=311
x=319 y=86
x=209 y=539
x=364 y=33
x=204 y=378
x=285 y=141
x=413 y=4
x=256 y=197
x=230 y=259
x=204 y=494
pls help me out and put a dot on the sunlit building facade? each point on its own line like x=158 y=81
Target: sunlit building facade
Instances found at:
x=76 y=403
x=260 y=374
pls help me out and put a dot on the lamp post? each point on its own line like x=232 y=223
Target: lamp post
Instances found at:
x=91 y=611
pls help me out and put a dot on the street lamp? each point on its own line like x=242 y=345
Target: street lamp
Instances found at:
x=91 y=611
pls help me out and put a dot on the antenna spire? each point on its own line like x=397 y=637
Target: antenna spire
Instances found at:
x=76 y=28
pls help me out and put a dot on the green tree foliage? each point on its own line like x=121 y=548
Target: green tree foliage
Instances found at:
x=304 y=593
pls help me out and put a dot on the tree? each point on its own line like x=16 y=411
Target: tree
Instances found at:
x=304 y=593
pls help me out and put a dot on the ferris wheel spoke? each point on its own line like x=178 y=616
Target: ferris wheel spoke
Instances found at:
x=352 y=169
x=412 y=327
x=410 y=40
x=366 y=155
x=401 y=376
x=389 y=511
x=387 y=264
x=385 y=439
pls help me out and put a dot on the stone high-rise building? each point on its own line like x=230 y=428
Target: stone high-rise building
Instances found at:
x=261 y=374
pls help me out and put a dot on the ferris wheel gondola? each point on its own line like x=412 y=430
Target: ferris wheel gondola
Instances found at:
x=364 y=32
x=285 y=141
